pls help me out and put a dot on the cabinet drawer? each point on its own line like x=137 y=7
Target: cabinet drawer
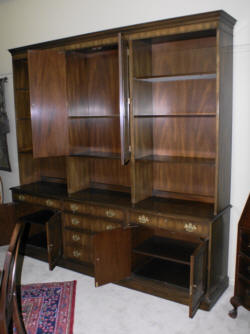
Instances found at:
x=89 y=223
x=50 y=202
x=95 y=210
x=171 y=224
x=78 y=246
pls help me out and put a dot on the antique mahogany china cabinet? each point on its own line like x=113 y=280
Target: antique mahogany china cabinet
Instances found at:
x=124 y=147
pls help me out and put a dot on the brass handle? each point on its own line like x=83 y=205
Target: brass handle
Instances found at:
x=76 y=253
x=49 y=202
x=76 y=237
x=143 y=219
x=189 y=227
x=74 y=207
x=21 y=197
x=110 y=213
x=109 y=227
x=75 y=221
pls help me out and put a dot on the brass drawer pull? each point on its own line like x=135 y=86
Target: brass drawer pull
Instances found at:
x=143 y=219
x=189 y=227
x=75 y=221
x=21 y=197
x=109 y=227
x=110 y=213
x=74 y=207
x=49 y=202
x=76 y=253
x=76 y=237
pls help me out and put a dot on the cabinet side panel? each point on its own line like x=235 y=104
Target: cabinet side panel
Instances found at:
x=47 y=78
x=224 y=127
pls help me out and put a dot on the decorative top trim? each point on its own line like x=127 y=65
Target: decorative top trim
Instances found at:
x=215 y=16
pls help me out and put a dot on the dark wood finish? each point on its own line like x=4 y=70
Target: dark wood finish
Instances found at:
x=124 y=98
x=47 y=76
x=7 y=222
x=112 y=256
x=54 y=240
x=10 y=310
x=224 y=119
x=197 y=278
x=175 y=80
x=242 y=270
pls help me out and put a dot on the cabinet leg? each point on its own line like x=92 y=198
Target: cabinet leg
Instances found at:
x=236 y=303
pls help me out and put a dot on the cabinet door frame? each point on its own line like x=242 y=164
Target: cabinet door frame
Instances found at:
x=123 y=58
x=197 y=287
x=112 y=256
x=54 y=239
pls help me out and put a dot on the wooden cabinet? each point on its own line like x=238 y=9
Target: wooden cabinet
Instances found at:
x=242 y=270
x=129 y=135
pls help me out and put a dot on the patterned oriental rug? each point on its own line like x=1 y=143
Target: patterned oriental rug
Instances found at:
x=49 y=307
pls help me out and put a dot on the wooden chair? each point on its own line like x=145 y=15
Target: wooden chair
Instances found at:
x=10 y=312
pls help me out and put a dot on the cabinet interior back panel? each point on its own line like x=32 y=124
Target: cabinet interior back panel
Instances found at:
x=196 y=55
x=185 y=136
x=187 y=96
x=184 y=178
x=94 y=135
x=53 y=167
x=109 y=171
x=103 y=84
x=93 y=83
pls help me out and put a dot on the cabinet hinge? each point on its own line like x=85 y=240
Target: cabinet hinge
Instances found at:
x=129 y=100
x=129 y=148
x=127 y=52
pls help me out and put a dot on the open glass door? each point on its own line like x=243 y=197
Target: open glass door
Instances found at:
x=198 y=263
x=124 y=98
x=112 y=256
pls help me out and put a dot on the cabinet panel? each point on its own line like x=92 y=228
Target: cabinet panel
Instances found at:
x=54 y=240
x=171 y=224
x=89 y=223
x=112 y=256
x=197 y=278
x=49 y=202
x=95 y=210
x=124 y=98
x=48 y=96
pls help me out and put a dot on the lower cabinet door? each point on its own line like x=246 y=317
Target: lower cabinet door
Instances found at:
x=112 y=256
x=198 y=262
x=54 y=239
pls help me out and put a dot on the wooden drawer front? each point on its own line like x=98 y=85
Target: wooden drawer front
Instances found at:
x=170 y=224
x=95 y=210
x=78 y=246
x=50 y=202
x=89 y=223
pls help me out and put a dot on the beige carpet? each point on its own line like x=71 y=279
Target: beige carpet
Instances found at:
x=116 y=310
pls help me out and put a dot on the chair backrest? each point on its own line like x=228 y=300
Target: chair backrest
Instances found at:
x=10 y=311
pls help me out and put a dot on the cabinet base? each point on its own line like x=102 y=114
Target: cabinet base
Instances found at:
x=211 y=298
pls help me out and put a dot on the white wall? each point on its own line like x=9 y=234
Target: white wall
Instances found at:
x=25 y=22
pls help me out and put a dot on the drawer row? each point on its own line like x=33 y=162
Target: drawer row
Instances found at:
x=115 y=215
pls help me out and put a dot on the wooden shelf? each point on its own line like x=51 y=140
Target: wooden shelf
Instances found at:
x=179 y=115
x=166 y=249
x=25 y=150
x=89 y=154
x=168 y=272
x=22 y=89
x=177 y=159
x=94 y=116
x=180 y=77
